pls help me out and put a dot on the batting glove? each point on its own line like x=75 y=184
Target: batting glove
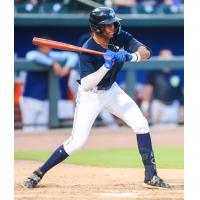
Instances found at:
x=109 y=57
x=129 y=57
x=123 y=56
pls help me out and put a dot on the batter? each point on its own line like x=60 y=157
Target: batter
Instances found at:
x=98 y=90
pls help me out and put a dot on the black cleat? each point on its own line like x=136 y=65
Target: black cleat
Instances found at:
x=33 y=180
x=157 y=183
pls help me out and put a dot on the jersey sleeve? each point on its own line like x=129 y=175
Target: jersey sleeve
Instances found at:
x=131 y=44
x=86 y=64
x=40 y=58
x=70 y=58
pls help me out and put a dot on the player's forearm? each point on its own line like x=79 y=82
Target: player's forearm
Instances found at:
x=91 y=81
x=141 y=54
x=71 y=58
x=144 y=53
x=65 y=70
x=39 y=58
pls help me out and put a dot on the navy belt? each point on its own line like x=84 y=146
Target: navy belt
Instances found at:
x=104 y=87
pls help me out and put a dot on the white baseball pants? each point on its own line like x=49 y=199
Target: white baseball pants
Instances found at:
x=162 y=113
x=35 y=114
x=89 y=105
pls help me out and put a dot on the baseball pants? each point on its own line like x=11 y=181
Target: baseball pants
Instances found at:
x=89 y=104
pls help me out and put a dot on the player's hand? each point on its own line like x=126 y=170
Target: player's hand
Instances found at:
x=57 y=69
x=110 y=58
x=65 y=71
x=128 y=57
x=123 y=56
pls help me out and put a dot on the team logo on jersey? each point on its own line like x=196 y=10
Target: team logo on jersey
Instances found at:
x=117 y=48
x=121 y=49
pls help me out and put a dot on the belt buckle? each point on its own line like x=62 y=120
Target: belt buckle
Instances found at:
x=94 y=89
x=101 y=88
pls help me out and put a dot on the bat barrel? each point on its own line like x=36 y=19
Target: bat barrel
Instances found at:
x=62 y=46
x=49 y=43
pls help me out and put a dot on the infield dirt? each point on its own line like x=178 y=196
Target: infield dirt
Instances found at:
x=73 y=182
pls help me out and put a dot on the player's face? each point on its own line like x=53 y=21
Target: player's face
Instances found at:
x=109 y=30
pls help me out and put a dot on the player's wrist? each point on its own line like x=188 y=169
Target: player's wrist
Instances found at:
x=135 y=57
x=108 y=65
x=109 y=57
x=104 y=69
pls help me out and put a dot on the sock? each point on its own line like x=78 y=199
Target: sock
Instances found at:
x=58 y=156
x=146 y=152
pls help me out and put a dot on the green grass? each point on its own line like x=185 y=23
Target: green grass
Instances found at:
x=116 y=157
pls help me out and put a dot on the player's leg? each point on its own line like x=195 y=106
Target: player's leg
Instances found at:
x=162 y=113
x=63 y=105
x=108 y=118
x=125 y=108
x=29 y=110
x=171 y=113
x=87 y=109
x=72 y=81
x=156 y=111
x=42 y=118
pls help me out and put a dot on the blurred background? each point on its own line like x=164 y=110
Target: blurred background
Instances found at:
x=45 y=98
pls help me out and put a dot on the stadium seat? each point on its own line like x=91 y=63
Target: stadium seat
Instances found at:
x=145 y=9
x=168 y=9
x=49 y=7
x=25 y=8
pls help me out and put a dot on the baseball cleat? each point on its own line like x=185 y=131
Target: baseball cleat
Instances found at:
x=156 y=183
x=33 y=180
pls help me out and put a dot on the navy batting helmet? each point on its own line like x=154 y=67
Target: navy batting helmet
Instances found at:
x=101 y=16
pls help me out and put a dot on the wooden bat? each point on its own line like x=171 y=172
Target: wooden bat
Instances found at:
x=62 y=46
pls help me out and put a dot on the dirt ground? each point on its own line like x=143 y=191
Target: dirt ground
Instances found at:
x=73 y=182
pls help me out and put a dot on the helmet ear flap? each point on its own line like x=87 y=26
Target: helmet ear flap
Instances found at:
x=97 y=28
x=117 y=27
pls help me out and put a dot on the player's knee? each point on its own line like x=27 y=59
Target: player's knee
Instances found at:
x=78 y=145
x=73 y=145
x=141 y=126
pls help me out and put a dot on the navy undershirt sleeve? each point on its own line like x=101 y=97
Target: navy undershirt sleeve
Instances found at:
x=86 y=65
x=130 y=43
x=133 y=45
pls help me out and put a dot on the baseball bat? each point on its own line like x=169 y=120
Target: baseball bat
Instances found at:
x=62 y=46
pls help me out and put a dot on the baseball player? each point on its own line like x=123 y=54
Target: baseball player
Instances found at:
x=99 y=90
x=34 y=102
x=105 y=115
x=163 y=95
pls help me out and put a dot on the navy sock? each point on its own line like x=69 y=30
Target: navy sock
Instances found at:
x=146 y=152
x=58 y=156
